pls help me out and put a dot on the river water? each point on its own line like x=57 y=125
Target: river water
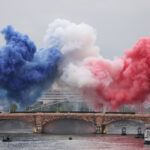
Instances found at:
x=78 y=142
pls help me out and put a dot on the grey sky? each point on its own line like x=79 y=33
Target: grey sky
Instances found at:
x=119 y=23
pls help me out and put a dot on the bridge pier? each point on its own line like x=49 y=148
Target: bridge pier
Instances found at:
x=101 y=129
x=38 y=129
x=98 y=130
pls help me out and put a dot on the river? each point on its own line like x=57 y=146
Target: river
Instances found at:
x=78 y=142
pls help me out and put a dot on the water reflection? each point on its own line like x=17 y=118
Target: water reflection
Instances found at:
x=78 y=142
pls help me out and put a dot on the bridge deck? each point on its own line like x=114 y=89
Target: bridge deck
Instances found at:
x=74 y=114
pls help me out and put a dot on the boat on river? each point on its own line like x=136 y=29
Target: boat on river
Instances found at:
x=147 y=135
x=6 y=139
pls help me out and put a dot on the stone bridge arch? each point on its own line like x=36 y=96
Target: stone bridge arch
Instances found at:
x=16 y=126
x=29 y=119
x=68 y=125
x=84 y=118
x=107 y=120
x=130 y=125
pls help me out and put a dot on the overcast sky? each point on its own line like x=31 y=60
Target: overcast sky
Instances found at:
x=119 y=23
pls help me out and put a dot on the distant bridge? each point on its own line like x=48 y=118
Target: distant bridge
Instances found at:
x=99 y=120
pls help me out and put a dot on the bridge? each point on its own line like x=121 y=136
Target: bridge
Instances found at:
x=99 y=120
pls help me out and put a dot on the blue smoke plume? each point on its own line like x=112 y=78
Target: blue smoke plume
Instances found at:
x=24 y=71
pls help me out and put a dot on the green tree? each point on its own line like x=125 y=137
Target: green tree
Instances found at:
x=27 y=108
x=13 y=108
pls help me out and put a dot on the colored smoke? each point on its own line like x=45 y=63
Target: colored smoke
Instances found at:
x=125 y=80
x=24 y=71
x=71 y=54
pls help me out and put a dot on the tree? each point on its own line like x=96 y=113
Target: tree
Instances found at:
x=13 y=108
x=27 y=108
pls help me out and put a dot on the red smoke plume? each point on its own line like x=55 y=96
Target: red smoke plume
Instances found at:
x=124 y=84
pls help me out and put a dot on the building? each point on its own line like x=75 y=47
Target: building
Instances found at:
x=60 y=100
x=52 y=96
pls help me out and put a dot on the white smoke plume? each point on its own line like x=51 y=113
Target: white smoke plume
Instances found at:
x=77 y=42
